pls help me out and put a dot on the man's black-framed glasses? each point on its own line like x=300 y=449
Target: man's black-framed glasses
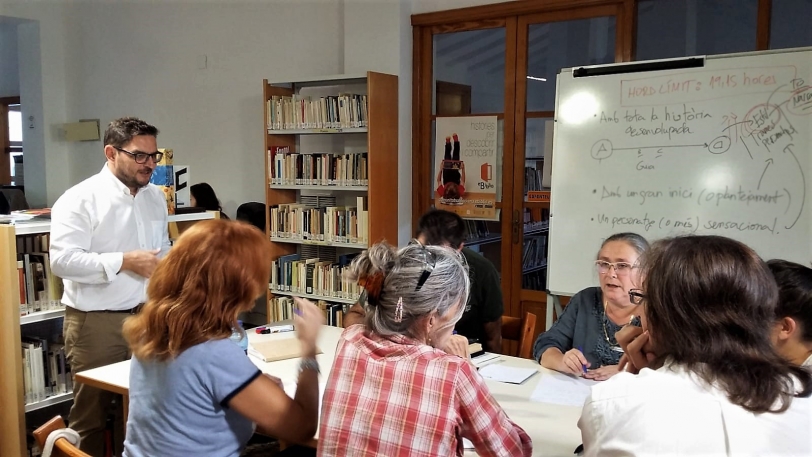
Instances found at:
x=636 y=296
x=429 y=260
x=141 y=157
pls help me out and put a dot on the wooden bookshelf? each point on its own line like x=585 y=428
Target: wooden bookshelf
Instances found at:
x=12 y=403
x=379 y=139
x=12 y=390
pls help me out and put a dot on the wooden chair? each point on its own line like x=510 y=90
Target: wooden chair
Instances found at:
x=62 y=447
x=520 y=330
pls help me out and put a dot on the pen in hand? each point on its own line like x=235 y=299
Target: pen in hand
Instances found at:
x=581 y=348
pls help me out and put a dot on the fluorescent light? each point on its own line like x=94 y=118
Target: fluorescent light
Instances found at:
x=536 y=79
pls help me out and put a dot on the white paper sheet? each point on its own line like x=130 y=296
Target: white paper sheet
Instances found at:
x=501 y=373
x=561 y=389
x=467 y=444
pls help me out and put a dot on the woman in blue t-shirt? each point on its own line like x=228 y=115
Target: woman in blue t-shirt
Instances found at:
x=193 y=391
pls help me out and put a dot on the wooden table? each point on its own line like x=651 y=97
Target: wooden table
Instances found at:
x=553 y=428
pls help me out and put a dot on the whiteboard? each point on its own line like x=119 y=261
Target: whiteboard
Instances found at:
x=709 y=145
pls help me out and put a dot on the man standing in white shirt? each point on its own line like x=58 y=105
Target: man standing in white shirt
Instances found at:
x=107 y=234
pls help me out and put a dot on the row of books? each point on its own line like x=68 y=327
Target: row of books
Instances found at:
x=533 y=179
x=332 y=224
x=282 y=309
x=317 y=168
x=537 y=280
x=46 y=371
x=534 y=253
x=40 y=289
x=303 y=112
x=325 y=278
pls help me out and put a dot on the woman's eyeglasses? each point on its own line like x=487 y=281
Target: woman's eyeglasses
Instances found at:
x=141 y=157
x=621 y=268
x=636 y=296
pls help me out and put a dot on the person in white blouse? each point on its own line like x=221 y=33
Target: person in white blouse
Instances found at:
x=708 y=380
x=107 y=235
x=792 y=331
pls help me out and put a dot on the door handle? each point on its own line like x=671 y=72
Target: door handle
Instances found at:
x=516 y=226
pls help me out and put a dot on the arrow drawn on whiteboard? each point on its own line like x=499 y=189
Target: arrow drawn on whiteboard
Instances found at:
x=787 y=149
x=769 y=162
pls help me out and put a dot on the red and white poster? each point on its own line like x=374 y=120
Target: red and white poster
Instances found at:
x=465 y=168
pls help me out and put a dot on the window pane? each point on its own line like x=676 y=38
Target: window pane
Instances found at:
x=15 y=126
x=679 y=28
x=790 y=25
x=469 y=72
x=556 y=45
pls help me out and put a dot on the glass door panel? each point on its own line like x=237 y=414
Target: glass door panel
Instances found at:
x=551 y=46
x=469 y=80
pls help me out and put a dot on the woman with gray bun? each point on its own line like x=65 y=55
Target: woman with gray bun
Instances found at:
x=391 y=391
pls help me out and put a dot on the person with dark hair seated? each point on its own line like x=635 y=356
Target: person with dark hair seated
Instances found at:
x=203 y=196
x=792 y=331
x=482 y=317
x=708 y=380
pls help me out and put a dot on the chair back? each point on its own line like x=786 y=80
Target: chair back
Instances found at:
x=62 y=447
x=521 y=331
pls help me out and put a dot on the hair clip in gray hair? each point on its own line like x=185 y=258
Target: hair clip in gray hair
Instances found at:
x=399 y=310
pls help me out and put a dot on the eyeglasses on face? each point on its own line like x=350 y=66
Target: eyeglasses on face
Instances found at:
x=636 y=296
x=621 y=268
x=141 y=157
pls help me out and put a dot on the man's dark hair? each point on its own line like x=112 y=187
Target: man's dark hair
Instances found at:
x=794 y=294
x=439 y=227
x=121 y=131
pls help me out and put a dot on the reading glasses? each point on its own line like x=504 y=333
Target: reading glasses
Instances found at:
x=141 y=157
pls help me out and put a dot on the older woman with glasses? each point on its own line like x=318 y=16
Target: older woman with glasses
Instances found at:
x=582 y=341
x=391 y=391
x=708 y=380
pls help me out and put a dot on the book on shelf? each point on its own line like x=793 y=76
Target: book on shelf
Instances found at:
x=304 y=112
x=40 y=289
x=324 y=278
x=46 y=371
x=317 y=168
x=330 y=224
x=282 y=309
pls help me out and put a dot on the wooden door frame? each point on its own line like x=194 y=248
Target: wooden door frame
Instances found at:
x=507 y=15
x=624 y=12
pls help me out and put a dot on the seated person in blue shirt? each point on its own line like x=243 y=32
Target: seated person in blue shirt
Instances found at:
x=792 y=331
x=193 y=391
x=582 y=340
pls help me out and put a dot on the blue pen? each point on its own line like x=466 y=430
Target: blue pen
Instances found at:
x=580 y=348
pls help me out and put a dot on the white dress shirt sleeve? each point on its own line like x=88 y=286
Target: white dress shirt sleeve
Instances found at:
x=71 y=259
x=165 y=243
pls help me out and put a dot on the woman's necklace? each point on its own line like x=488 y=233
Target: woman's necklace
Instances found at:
x=615 y=346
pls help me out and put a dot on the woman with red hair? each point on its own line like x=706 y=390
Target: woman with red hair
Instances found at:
x=192 y=390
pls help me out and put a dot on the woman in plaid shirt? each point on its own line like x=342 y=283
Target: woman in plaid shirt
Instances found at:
x=391 y=391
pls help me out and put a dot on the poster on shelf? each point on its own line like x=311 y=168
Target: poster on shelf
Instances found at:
x=465 y=163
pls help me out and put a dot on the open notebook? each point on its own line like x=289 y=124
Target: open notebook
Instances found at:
x=273 y=350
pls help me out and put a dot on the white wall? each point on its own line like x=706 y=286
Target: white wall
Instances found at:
x=41 y=56
x=429 y=6
x=9 y=69
x=149 y=66
x=378 y=37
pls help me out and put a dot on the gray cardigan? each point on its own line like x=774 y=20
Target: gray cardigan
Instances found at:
x=581 y=326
